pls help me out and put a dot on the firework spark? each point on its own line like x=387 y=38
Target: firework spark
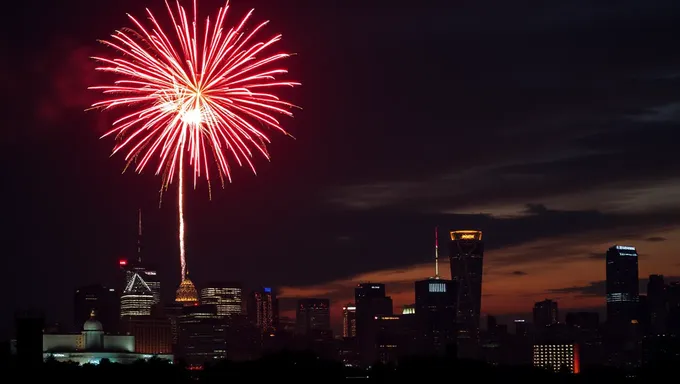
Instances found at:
x=200 y=89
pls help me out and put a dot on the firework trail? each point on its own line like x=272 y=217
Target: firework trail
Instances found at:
x=200 y=89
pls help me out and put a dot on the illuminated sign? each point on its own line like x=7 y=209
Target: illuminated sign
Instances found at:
x=268 y=290
x=349 y=308
x=122 y=262
x=625 y=248
x=150 y=273
x=466 y=235
x=375 y=287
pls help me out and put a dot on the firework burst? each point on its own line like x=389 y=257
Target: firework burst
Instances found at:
x=204 y=91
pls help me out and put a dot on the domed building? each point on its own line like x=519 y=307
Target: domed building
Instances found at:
x=92 y=345
x=187 y=295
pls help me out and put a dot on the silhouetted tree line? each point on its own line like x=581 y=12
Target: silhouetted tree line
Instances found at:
x=305 y=367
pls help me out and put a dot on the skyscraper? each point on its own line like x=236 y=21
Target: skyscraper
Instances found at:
x=622 y=284
x=436 y=314
x=136 y=270
x=349 y=321
x=262 y=309
x=186 y=293
x=371 y=302
x=435 y=309
x=545 y=313
x=101 y=299
x=227 y=297
x=466 y=255
x=656 y=297
x=136 y=298
x=313 y=318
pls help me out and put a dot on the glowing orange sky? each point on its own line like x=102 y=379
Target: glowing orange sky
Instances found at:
x=516 y=277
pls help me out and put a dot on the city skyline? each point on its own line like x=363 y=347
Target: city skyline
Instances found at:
x=554 y=147
x=402 y=290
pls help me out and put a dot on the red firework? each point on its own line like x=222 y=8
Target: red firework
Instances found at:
x=201 y=89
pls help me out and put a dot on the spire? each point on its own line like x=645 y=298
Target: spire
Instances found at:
x=139 y=236
x=436 y=252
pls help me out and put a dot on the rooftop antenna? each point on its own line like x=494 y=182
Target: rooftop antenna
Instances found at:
x=436 y=252
x=139 y=236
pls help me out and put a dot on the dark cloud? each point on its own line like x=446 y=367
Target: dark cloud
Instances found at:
x=519 y=273
x=656 y=239
x=595 y=288
x=568 y=112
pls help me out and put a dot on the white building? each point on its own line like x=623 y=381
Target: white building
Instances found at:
x=92 y=345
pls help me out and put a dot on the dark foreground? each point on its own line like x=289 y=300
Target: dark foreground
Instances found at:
x=307 y=368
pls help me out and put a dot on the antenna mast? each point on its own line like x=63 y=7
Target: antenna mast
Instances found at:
x=139 y=236
x=436 y=252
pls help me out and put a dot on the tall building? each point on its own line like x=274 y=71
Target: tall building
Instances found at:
x=389 y=338
x=186 y=293
x=371 y=302
x=202 y=335
x=435 y=310
x=673 y=305
x=98 y=298
x=622 y=284
x=227 y=297
x=545 y=313
x=466 y=255
x=656 y=298
x=436 y=314
x=136 y=298
x=263 y=309
x=349 y=321
x=313 y=318
x=141 y=269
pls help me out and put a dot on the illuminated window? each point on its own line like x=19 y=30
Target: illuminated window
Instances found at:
x=437 y=287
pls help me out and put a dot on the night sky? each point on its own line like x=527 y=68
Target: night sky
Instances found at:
x=553 y=129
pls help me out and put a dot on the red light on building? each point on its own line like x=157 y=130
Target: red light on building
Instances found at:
x=122 y=263
x=577 y=359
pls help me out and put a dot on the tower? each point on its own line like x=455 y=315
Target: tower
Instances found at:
x=143 y=270
x=435 y=309
x=467 y=263
x=622 y=285
x=186 y=294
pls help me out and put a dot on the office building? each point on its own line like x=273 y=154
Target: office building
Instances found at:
x=349 y=321
x=466 y=255
x=622 y=289
x=313 y=318
x=557 y=357
x=545 y=314
x=227 y=297
x=263 y=309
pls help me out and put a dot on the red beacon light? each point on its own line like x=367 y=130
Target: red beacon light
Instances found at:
x=122 y=263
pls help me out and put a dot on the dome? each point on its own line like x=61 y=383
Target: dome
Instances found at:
x=92 y=324
x=186 y=293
